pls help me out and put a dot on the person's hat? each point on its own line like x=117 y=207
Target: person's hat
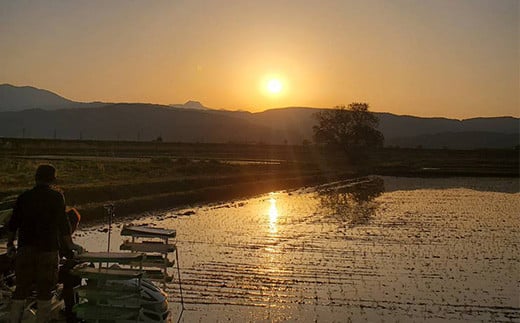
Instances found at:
x=45 y=174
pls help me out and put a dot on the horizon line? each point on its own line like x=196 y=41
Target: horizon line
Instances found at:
x=261 y=110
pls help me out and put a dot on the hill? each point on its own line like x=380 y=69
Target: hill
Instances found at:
x=141 y=122
x=19 y=98
x=295 y=125
x=30 y=112
x=146 y=122
x=190 y=105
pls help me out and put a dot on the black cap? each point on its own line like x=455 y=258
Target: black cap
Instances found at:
x=45 y=174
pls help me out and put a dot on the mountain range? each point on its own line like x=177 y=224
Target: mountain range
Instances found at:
x=35 y=113
x=18 y=98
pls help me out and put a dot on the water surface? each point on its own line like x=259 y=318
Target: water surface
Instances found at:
x=390 y=249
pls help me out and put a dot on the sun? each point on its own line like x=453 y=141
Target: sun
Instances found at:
x=274 y=86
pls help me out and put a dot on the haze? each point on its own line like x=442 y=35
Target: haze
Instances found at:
x=450 y=58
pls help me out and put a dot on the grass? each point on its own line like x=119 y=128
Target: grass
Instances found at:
x=147 y=184
x=145 y=176
x=18 y=173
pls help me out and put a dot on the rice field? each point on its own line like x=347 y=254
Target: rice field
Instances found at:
x=373 y=250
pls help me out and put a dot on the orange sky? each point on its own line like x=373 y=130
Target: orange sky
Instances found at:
x=453 y=58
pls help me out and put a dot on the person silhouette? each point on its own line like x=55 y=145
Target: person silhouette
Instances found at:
x=40 y=222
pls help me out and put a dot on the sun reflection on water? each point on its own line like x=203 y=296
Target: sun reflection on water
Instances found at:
x=273 y=214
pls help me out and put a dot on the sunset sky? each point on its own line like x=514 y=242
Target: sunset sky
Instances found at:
x=453 y=58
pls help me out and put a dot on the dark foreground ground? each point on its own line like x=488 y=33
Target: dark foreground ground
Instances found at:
x=144 y=176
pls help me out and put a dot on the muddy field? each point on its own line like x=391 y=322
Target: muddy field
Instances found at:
x=375 y=250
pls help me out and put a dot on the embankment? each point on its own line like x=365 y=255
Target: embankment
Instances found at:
x=192 y=192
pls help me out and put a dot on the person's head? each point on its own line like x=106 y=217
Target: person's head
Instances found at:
x=45 y=174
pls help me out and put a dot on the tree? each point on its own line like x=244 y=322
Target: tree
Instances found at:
x=351 y=128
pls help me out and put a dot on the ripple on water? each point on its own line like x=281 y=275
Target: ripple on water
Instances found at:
x=429 y=250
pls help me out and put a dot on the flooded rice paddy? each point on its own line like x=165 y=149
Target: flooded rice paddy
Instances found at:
x=371 y=250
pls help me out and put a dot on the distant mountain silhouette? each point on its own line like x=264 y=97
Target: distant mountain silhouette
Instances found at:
x=47 y=115
x=402 y=126
x=295 y=125
x=126 y=121
x=18 y=98
x=190 y=105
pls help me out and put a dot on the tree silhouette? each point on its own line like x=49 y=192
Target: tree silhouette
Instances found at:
x=351 y=128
